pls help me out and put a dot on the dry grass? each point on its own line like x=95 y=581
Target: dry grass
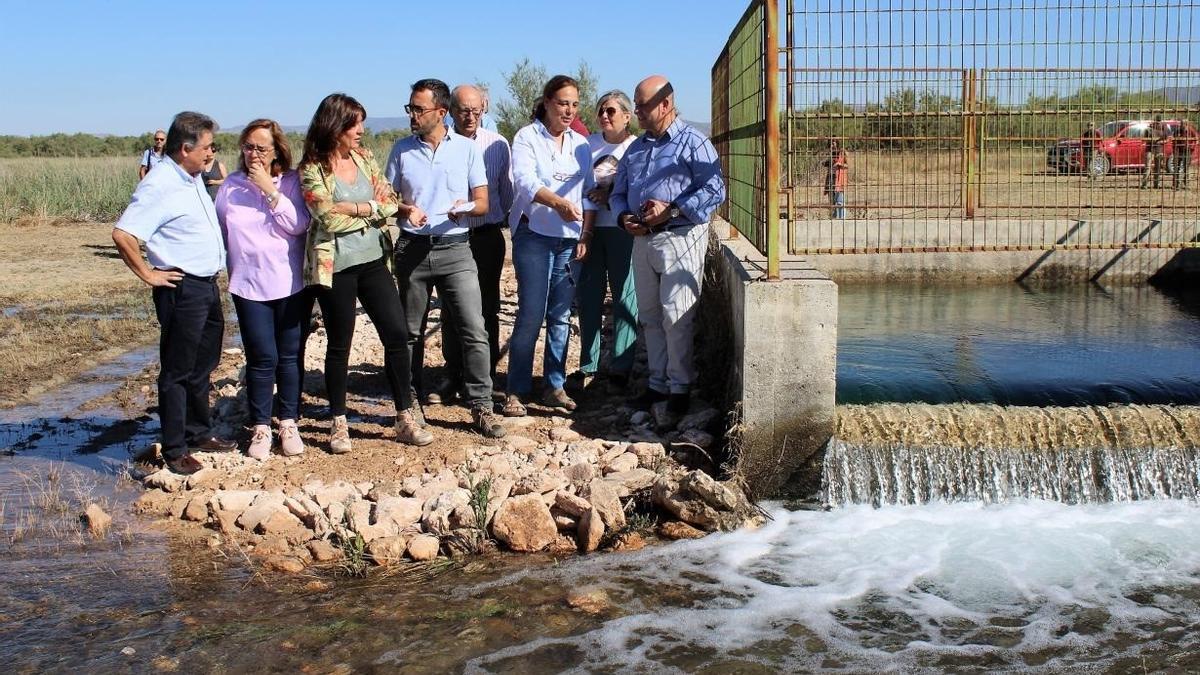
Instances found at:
x=928 y=184
x=49 y=508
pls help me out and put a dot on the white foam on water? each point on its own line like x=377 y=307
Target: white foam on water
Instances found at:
x=903 y=588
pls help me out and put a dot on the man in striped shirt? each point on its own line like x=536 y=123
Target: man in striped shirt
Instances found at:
x=667 y=187
x=487 y=236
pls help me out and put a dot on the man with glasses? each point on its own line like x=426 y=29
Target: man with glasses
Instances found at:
x=152 y=156
x=171 y=212
x=667 y=187
x=486 y=236
x=440 y=176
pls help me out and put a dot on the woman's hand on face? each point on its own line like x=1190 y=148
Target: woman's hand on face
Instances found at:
x=568 y=211
x=260 y=176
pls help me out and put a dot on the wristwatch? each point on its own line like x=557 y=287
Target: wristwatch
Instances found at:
x=674 y=212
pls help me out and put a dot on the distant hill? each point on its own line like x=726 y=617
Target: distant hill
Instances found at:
x=1184 y=95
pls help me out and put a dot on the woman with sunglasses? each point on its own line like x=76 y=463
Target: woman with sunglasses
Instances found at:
x=610 y=252
x=551 y=221
x=350 y=259
x=261 y=213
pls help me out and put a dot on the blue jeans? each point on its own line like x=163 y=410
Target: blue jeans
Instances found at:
x=838 y=201
x=544 y=294
x=271 y=333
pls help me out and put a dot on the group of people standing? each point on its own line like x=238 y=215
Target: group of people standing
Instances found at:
x=586 y=213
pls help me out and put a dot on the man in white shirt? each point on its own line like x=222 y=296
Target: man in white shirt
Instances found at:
x=172 y=213
x=440 y=177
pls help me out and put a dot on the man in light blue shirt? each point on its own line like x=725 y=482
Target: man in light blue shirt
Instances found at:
x=440 y=177
x=172 y=213
x=152 y=156
x=667 y=187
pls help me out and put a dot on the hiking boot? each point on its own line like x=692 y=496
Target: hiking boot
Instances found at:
x=289 y=438
x=445 y=394
x=184 y=465
x=484 y=421
x=409 y=432
x=618 y=383
x=557 y=398
x=646 y=399
x=677 y=404
x=260 y=443
x=339 y=436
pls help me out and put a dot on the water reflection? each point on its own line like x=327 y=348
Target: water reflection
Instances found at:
x=1016 y=345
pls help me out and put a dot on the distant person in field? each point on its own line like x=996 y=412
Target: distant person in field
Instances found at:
x=214 y=174
x=263 y=217
x=1087 y=147
x=172 y=214
x=1156 y=140
x=1184 y=147
x=153 y=155
x=837 y=169
x=667 y=187
x=487 y=121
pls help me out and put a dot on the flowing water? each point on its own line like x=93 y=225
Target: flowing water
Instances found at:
x=1014 y=345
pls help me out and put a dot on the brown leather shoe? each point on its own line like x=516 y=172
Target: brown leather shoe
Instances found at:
x=185 y=465
x=213 y=444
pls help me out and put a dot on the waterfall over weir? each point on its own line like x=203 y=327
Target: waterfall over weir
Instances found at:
x=915 y=454
x=896 y=474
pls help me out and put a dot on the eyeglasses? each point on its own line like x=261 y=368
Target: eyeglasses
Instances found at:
x=610 y=111
x=160 y=140
x=416 y=110
x=469 y=112
x=260 y=149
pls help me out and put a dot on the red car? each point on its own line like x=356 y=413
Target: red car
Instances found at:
x=1121 y=147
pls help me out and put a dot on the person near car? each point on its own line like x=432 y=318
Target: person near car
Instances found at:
x=171 y=212
x=1184 y=145
x=1155 y=140
x=1088 y=145
x=837 y=169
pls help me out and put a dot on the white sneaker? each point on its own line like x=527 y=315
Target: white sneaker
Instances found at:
x=260 y=443
x=289 y=438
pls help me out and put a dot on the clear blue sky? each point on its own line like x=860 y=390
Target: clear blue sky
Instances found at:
x=126 y=67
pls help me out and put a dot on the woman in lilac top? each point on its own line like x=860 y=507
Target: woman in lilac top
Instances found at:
x=262 y=214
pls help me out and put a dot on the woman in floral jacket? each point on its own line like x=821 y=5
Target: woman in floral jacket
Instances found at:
x=348 y=258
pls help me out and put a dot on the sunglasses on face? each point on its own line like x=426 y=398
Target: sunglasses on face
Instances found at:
x=610 y=111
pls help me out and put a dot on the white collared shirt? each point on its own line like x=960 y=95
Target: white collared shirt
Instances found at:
x=537 y=163
x=434 y=179
x=172 y=212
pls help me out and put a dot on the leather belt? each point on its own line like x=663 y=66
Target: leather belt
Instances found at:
x=438 y=240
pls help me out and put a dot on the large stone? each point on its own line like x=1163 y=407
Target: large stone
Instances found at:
x=564 y=435
x=443 y=482
x=197 y=508
x=284 y=524
x=339 y=491
x=679 y=500
x=625 y=462
x=563 y=521
x=448 y=511
x=383 y=490
x=700 y=419
x=649 y=454
x=589 y=599
x=605 y=498
x=226 y=521
x=496 y=466
x=358 y=519
x=387 y=550
x=634 y=480
x=591 y=531
x=206 y=478
x=580 y=473
x=265 y=505
x=288 y=564
x=234 y=500
x=541 y=482
x=165 y=480
x=424 y=547
x=572 y=504
x=520 y=444
x=676 y=530
x=97 y=521
x=612 y=452
x=322 y=551
x=699 y=438
x=524 y=523
x=715 y=494
x=400 y=511
x=153 y=503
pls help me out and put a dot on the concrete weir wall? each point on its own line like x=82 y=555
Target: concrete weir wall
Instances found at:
x=783 y=356
x=1061 y=265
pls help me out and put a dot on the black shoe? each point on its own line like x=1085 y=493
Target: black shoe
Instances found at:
x=184 y=465
x=212 y=444
x=618 y=383
x=647 y=399
x=677 y=404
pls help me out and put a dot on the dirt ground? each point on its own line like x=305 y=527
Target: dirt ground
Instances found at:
x=68 y=304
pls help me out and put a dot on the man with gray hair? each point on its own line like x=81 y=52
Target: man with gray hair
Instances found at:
x=172 y=213
x=153 y=155
x=486 y=237
x=667 y=187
